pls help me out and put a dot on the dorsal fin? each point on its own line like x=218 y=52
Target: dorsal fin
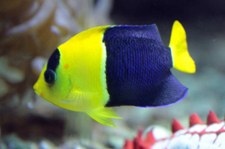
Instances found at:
x=134 y=31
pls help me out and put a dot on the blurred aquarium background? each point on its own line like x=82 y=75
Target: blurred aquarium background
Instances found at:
x=31 y=29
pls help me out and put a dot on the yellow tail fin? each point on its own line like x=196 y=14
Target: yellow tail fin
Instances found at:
x=181 y=58
x=104 y=116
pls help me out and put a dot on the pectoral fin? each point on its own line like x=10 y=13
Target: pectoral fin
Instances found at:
x=104 y=116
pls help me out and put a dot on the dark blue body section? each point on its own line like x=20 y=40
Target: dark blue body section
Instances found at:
x=138 y=68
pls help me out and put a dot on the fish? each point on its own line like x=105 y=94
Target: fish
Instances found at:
x=116 y=65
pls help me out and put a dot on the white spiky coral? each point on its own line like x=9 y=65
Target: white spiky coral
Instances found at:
x=198 y=136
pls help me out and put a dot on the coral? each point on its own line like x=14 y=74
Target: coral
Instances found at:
x=198 y=135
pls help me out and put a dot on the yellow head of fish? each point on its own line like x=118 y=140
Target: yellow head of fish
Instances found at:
x=74 y=76
x=52 y=85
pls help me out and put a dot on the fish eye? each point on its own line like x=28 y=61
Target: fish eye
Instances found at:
x=50 y=76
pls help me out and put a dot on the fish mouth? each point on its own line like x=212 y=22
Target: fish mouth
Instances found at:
x=38 y=91
x=35 y=88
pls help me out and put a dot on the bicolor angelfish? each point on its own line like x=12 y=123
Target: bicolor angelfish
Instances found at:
x=110 y=66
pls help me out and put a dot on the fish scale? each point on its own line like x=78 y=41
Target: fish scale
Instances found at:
x=199 y=135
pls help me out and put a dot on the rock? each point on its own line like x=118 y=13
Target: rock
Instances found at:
x=4 y=88
x=13 y=142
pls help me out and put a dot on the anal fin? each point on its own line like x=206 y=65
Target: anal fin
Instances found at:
x=168 y=92
x=104 y=116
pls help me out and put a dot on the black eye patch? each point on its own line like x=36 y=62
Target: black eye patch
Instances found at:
x=53 y=62
x=50 y=76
